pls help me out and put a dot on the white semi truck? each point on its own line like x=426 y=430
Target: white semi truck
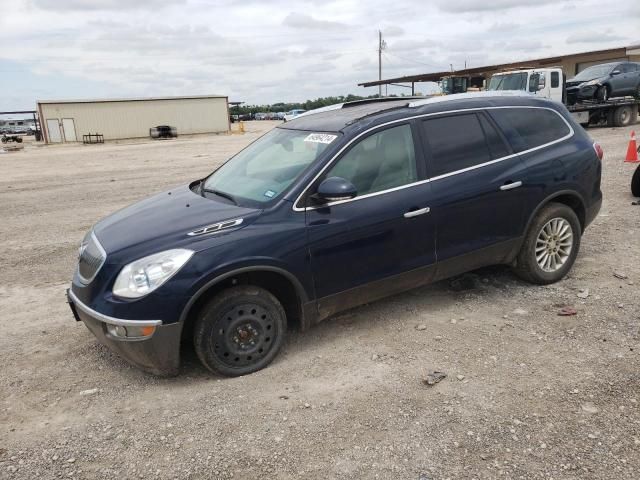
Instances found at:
x=551 y=83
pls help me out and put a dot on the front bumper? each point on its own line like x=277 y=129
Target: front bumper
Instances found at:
x=582 y=92
x=158 y=354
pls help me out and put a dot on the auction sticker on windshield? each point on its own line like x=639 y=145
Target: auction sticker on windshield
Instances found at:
x=320 y=138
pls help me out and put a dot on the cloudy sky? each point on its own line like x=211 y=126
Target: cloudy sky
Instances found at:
x=278 y=50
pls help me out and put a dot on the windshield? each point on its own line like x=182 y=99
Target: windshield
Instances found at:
x=596 y=71
x=509 y=81
x=264 y=170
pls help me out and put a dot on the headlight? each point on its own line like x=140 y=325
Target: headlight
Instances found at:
x=590 y=82
x=145 y=275
x=84 y=243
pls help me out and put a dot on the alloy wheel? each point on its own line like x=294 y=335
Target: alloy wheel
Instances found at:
x=554 y=244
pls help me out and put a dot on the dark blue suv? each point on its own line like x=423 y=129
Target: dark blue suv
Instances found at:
x=338 y=207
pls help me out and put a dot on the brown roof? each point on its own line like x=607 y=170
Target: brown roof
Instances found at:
x=540 y=62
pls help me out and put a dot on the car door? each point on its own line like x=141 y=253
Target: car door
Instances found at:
x=476 y=191
x=629 y=78
x=383 y=240
x=618 y=81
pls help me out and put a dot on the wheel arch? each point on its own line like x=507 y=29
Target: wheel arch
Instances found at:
x=570 y=198
x=278 y=281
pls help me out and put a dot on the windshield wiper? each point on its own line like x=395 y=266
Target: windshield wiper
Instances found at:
x=218 y=193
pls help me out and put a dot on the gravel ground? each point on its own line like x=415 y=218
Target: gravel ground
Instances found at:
x=529 y=394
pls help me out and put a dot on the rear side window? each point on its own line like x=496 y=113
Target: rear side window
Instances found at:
x=555 y=79
x=458 y=142
x=528 y=128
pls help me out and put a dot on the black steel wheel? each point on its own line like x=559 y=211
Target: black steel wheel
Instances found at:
x=240 y=331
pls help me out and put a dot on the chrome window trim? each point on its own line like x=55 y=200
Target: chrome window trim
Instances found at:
x=456 y=172
x=110 y=320
x=87 y=281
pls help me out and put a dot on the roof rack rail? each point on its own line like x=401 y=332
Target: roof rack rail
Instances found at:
x=356 y=103
x=459 y=96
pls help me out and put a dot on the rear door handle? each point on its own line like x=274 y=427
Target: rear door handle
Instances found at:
x=511 y=186
x=415 y=213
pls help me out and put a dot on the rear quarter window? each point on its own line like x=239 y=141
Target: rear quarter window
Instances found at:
x=528 y=128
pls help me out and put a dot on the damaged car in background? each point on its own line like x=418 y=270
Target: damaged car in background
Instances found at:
x=605 y=81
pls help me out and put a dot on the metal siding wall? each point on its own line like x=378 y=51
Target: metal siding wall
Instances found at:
x=132 y=119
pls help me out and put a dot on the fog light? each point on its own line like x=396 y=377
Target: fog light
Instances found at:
x=117 y=330
x=130 y=332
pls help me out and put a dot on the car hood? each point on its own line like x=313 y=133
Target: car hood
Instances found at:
x=573 y=81
x=163 y=221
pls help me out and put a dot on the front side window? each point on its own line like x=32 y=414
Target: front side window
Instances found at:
x=455 y=143
x=530 y=127
x=628 y=67
x=266 y=168
x=380 y=162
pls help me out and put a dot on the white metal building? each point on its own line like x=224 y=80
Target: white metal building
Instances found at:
x=69 y=120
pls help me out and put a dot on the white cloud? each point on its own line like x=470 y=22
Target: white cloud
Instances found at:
x=303 y=21
x=593 y=36
x=266 y=50
x=464 y=6
x=67 y=5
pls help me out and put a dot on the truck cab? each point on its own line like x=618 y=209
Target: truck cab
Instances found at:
x=542 y=82
x=454 y=84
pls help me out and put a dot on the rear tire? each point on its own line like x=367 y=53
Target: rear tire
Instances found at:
x=551 y=245
x=635 y=183
x=240 y=331
x=622 y=116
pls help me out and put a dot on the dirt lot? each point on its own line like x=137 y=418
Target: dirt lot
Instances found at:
x=529 y=394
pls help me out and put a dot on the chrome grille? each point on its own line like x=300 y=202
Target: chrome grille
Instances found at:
x=92 y=257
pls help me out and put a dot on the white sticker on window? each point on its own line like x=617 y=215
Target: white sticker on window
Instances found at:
x=320 y=138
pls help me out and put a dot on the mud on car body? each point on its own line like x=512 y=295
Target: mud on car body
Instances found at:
x=331 y=210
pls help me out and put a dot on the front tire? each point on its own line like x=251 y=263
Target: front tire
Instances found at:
x=550 y=246
x=602 y=94
x=240 y=331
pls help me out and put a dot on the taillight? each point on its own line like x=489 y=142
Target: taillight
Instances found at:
x=599 y=151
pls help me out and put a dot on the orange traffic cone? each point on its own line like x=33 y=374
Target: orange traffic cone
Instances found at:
x=632 y=149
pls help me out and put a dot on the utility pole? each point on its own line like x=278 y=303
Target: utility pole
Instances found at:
x=381 y=46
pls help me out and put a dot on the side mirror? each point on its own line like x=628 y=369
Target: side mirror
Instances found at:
x=616 y=72
x=334 y=189
x=541 y=83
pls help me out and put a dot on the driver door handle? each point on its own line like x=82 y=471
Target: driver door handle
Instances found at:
x=510 y=186
x=415 y=213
